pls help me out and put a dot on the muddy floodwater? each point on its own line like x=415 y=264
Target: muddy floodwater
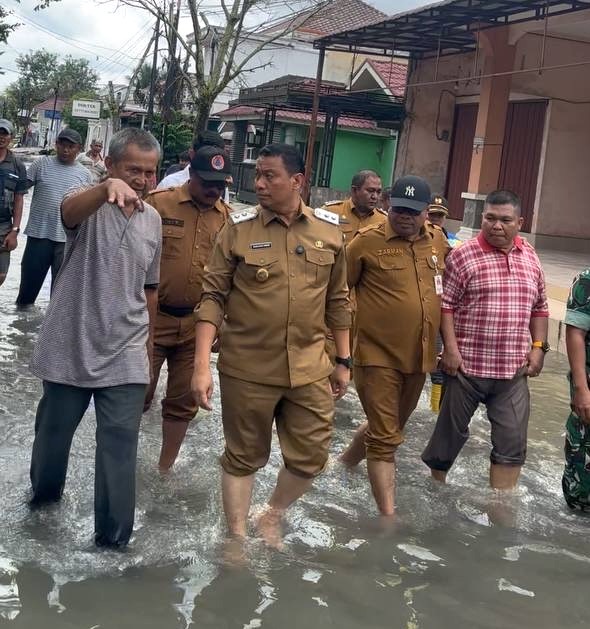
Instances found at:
x=459 y=556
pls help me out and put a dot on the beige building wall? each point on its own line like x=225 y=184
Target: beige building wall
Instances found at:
x=561 y=207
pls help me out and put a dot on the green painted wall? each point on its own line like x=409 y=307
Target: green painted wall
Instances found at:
x=357 y=151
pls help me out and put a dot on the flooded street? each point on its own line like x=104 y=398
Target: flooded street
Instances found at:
x=459 y=555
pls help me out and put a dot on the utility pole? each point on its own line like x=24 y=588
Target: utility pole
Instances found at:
x=153 y=78
x=53 y=112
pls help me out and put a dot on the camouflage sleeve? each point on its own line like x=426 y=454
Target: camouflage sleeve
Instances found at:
x=578 y=303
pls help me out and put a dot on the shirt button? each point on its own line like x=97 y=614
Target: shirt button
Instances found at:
x=194 y=264
x=292 y=275
x=292 y=298
x=291 y=251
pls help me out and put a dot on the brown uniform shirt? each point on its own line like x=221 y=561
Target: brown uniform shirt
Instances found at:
x=279 y=287
x=351 y=220
x=188 y=235
x=397 y=309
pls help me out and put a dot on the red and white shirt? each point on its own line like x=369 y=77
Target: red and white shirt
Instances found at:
x=492 y=296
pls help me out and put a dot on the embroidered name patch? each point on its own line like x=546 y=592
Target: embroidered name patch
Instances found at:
x=173 y=221
x=390 y=252
x=260 y=245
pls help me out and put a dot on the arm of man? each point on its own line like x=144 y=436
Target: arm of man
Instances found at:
x=10 y=241
x=151 y=297
x=76 y=208
x=538 y=327
x=575 y=339
x=338 y=320
x=217 y=285
x=453 y=290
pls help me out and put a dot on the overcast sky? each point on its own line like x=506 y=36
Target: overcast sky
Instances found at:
x=111 y=38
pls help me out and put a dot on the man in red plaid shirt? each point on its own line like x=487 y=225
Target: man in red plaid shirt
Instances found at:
x=494 y=327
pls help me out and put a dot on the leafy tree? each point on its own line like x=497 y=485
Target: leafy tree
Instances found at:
x=41 y=74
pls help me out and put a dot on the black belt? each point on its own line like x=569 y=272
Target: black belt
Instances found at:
x=176 y=312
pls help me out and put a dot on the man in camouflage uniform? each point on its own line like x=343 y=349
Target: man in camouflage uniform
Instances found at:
x=576 y=476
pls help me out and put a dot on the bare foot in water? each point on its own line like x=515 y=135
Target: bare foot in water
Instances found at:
x=269 y=527
x=233 y=551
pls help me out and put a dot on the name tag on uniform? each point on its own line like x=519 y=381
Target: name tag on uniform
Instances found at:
x=438 y=284
x=173 y=221
x=260 y=245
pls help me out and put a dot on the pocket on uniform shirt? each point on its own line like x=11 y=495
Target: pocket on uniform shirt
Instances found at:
x=260 y=267
x=172 y=241
x=393 y=263
x=318 y=265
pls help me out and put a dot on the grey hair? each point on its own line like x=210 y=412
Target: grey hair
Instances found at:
x=359 y=179
x=131 y=135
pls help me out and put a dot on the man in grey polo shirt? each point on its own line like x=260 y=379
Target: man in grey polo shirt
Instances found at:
x=52 y=177
x=97 y=336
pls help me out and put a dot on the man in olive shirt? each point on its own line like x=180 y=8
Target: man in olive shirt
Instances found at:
x=396 y=271
x=192 y=215
x=361 y=209
x=278 y=277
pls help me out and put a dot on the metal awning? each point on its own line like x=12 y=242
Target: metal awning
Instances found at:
x=444 y=28
x=297 y=95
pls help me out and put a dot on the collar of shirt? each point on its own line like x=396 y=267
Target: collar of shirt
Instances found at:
x=269 y=216
x=487 y=248
x=360 y=214
x=391 y=233
x=184 y=196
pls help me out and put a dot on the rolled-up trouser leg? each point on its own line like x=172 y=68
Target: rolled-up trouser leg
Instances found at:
x=460 y=401
x=59 y=412
x=118 y=414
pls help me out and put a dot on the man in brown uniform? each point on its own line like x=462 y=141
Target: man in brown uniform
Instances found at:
x=192 y=215
x=396 y=271
x=362 y=208
x=277 y=277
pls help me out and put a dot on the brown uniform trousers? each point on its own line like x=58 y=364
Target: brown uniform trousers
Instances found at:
x=396 y=325
x=276 y=287
x=188 y=237
x=350 y=221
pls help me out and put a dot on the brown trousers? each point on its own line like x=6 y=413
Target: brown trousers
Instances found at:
x=388 y=398
x=174 y=343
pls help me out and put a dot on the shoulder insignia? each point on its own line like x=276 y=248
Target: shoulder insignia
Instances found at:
x=369 y=228
x=243 y=215
x=325 y=215
x=329 y=203
x=380 y=210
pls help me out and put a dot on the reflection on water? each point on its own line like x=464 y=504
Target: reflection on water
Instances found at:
x=458 y=556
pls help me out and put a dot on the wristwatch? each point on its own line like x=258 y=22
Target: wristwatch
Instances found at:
x=347 y=362
x=15 y=229
x=542 y=345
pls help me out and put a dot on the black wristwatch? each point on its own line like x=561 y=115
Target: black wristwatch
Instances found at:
x=347 y=362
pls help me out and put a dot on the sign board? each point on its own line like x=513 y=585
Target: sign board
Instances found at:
x=49 y=113
x=86 y=108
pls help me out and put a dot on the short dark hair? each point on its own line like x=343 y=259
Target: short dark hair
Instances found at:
x=208 y=138
x=359 y=179
x=292 y=159
x=504 y=197
x=184 y=156
x=131 y=135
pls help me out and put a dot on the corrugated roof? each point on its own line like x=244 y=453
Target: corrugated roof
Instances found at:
x=48 y=105
x=287 y=115
x=448 y=26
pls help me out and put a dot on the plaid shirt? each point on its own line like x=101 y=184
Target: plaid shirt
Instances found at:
x=492 y=297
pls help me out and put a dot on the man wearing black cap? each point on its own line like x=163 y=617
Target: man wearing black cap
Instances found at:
x=52 y=177
x=192 y=214
x=396 y=270
x=13 y=185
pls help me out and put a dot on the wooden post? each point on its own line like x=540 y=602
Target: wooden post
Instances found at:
x=313 y=127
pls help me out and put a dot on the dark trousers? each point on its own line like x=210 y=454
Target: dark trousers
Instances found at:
x=40 y=255
x=118 y=414
x=508 y=406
